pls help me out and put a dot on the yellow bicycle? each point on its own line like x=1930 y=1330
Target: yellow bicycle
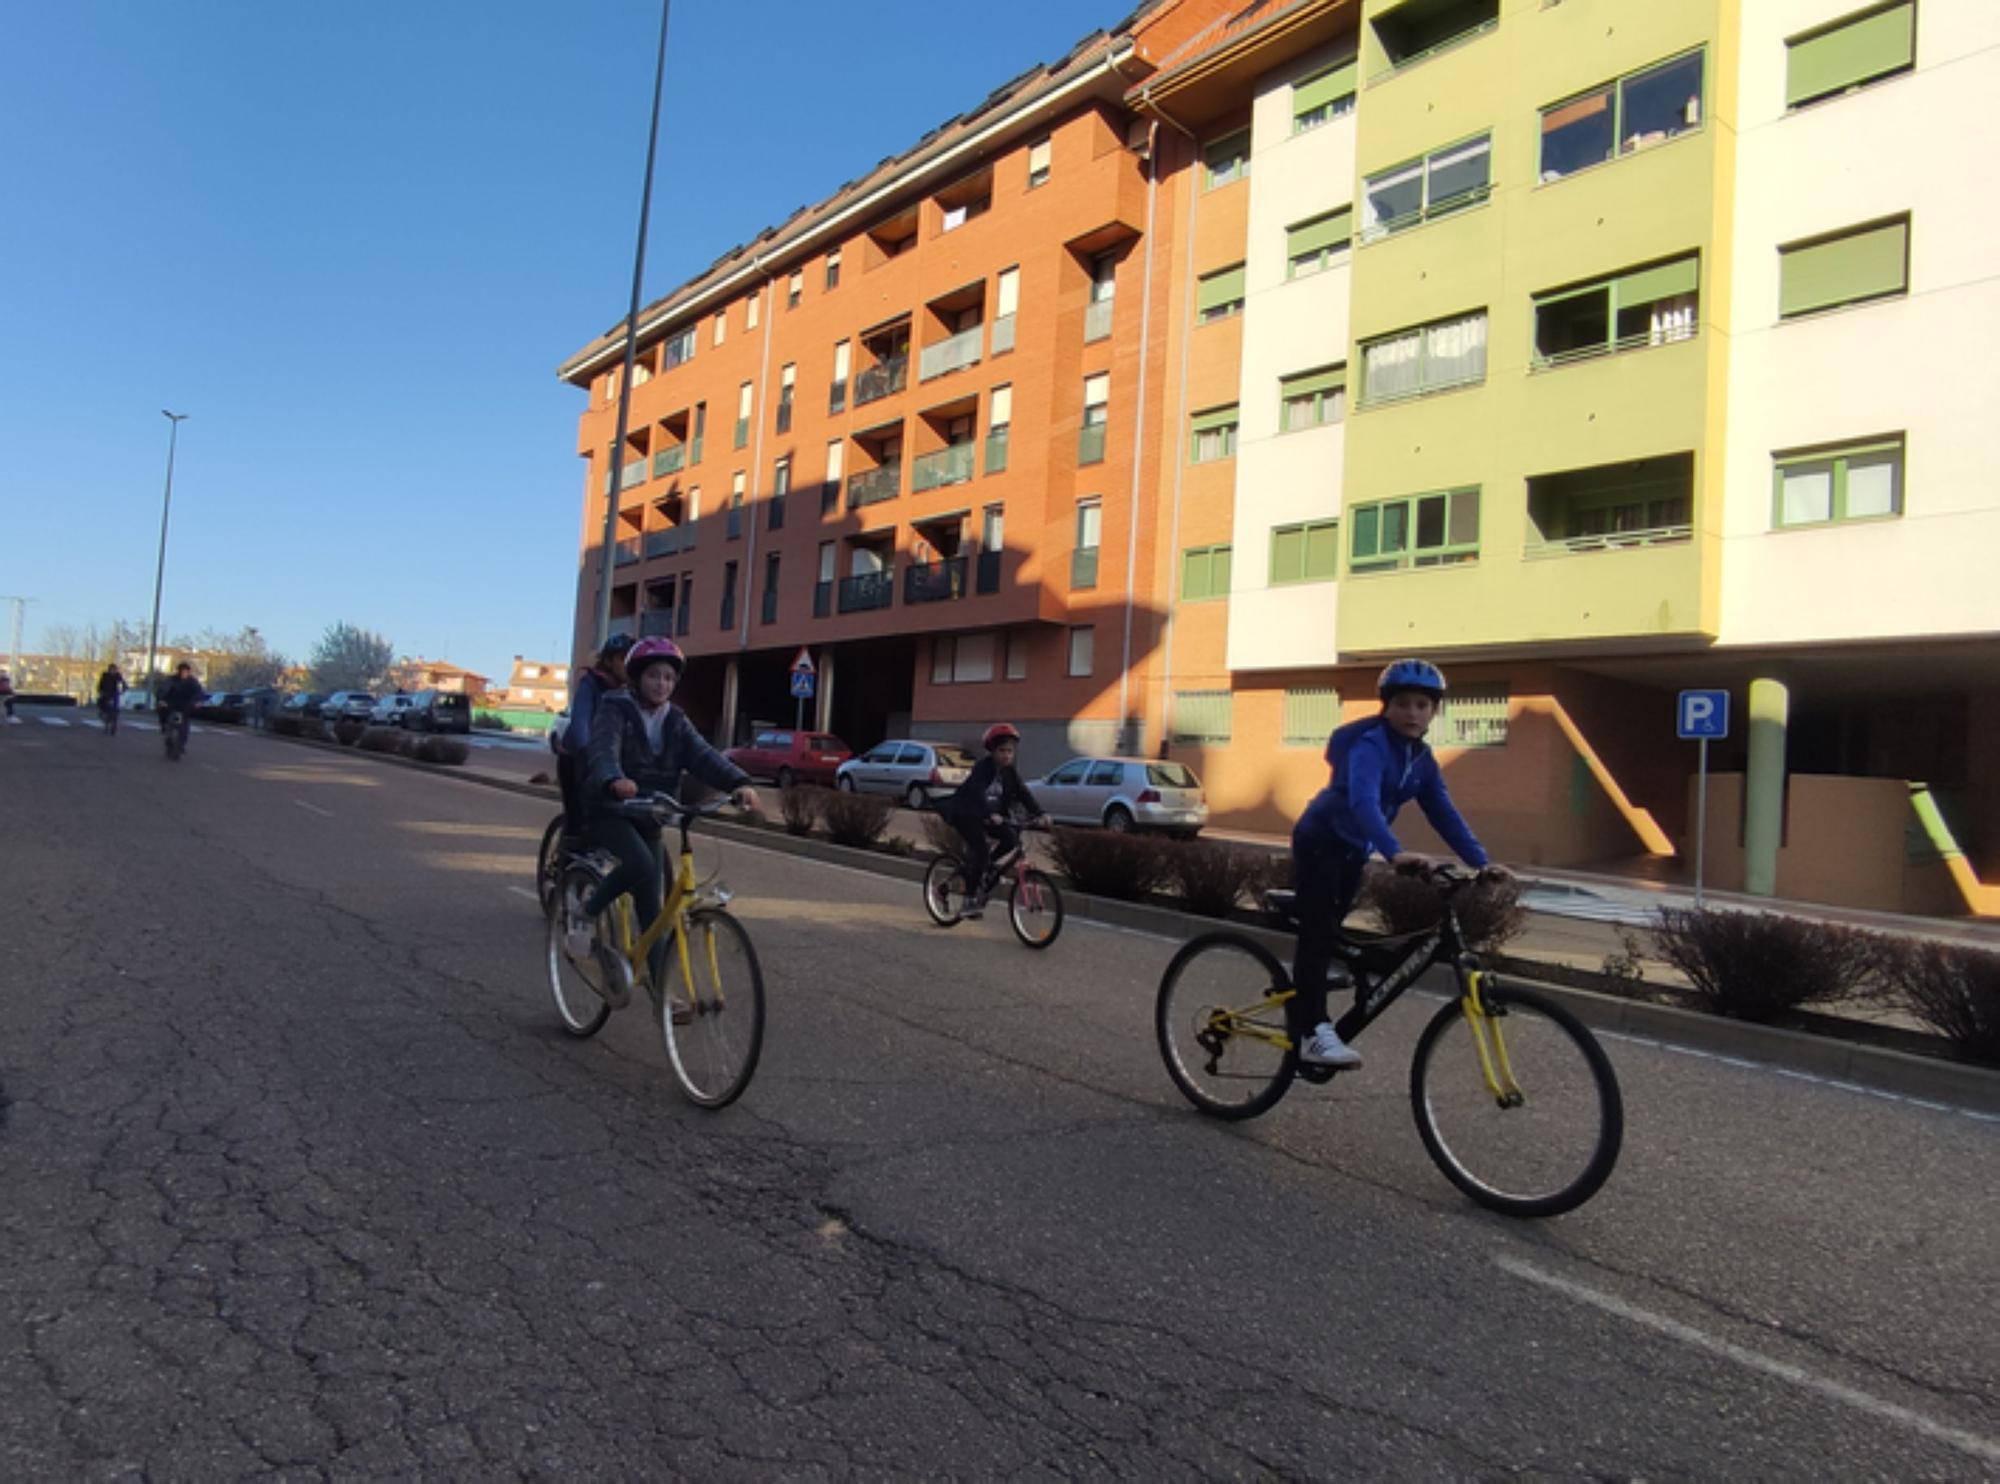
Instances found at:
x=711 y=1007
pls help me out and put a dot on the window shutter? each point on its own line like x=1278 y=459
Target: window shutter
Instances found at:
x=1313 y=383
x=1197 y=580
x=1202 y=715
x=1851 y=53
x=1322 y=554
x=1322 y=89
x=1218 y=289
x=1219 y=417
x=1335 y=229
x=1002 y=409
x=1311 y=714
x=1665 y=281
x=1841 y=270
x=1288 y=554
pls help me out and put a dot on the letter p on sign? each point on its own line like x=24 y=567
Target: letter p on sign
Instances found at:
x=1703 y=714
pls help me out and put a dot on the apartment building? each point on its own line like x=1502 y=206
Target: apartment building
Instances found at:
x=1597 y=351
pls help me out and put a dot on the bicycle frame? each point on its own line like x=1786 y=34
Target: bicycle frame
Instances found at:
x=638 y=952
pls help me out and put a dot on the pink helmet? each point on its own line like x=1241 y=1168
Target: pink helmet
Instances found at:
x=1000 y=731
x=650 y=651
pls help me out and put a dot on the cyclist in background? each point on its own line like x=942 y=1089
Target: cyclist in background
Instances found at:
x=110 y=693
x=1379 y=764
x=607 y=674
x=7 y=697
x=182 y=695
x=981 y=807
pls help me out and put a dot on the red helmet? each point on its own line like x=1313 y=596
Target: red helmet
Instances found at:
x=999 y=732
x=650 y=651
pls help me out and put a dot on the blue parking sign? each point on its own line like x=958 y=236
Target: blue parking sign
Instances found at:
x=1703 y=714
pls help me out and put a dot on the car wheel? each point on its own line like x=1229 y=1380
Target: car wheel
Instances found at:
x=786 y=778
x=847 y=783
x=915 y=797
x=1118 y=819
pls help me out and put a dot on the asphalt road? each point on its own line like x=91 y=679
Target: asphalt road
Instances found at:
x=296 y=1174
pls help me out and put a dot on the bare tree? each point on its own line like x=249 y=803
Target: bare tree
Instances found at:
x=240 y=661
x=350 y=658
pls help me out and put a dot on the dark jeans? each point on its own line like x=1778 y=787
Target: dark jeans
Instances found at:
x=639 y=872
x=569 y=778
x=979 y=839
x=1326 y=873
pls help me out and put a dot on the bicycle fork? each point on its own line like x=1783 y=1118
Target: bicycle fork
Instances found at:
x=1489 y=1042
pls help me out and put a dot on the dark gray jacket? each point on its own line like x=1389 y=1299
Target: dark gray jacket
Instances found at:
x=619 y=749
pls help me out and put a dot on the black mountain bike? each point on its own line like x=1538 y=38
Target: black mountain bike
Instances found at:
x=173 y=733
x=1034 y=906
x=1514 y=1099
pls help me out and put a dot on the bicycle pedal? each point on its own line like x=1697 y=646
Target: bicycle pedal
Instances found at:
x=1317 y=1075
x=616 y=975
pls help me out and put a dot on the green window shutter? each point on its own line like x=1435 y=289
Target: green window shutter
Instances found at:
x=1202 y=715
x=1851 y=53
x=1219 y=289
x=1317 y=92
x=1288 y=554
x=1219 y=571
x=1226 y=155
x=1335 y=229
x=1664 y=281
x=1219 y=417
x=1311 y=714
x=1197 y=579
x=1322 y=555
x=1842 y=270
x=1313 y=383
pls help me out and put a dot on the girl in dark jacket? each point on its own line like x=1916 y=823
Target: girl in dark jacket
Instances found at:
x=983 y=807
x=640 y=740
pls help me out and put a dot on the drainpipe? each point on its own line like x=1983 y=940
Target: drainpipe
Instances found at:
x=1138 y=457
x=756 y=484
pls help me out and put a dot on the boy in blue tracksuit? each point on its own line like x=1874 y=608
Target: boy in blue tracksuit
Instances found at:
x=1379 y=765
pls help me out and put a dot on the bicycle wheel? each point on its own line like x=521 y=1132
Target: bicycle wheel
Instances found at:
x=944 y=890
x=1543 y=1153
x=548 y=873
x=1225 y=1045
x=575 y=979
x=1035 y=908
x=716 y=1051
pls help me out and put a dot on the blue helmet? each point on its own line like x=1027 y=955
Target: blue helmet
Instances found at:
x=1411 y=675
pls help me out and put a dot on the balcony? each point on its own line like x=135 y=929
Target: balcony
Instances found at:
x=1608 y=541
x=632 y=474
x=1003 y=334
x=1097 y=321
x=669 y=461
x=934 y=582
x=657 y=623
x=629 y=551
x=869 y=590
x=1090 y=444
x=822 y=599
x=628 y=626
x=1083 y=567
x=667 y=542
x=954 y=354
x=874 y=486
x=881 y=381
x=951 y=465
x=695 y=457
x=996 y=450
x=987 y=580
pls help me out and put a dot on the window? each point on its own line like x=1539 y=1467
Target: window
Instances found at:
x=770 y=614
x=829 y=490
x=1655 y=305
x=1089 y=533
x=1472 y=716
x=1000 y=416
x=1635 y=502
x=751 y=308
x=1096 y=412
x=1213 y=435
x=1431 y=358
x=1850 y=53
x=1313 y=246
x=1219 y=295
x=962 y=659
x=1424 y=189
x=735 y=506
x=787 y=380
x=833 y=270
x=1309 y=552
x=1017 y=655
x=1323 y=97
x=686 y=617
x=1082 y=649
x=1227 y=160
x=728 y=595
x=1312 y=399
x=680 y=348
x=781 y=485
x=1006 y=302
x=1849 y=267
x=1418 y=29
x=1311 y=714
x=721 y=325
x=1202 y=715
x=700 y=431
x=1859 y=481
x=1431 y=530
x=1038 y=162
x=1623 y=117
x=1205 y=573
x=743 y=415
x=795 y=288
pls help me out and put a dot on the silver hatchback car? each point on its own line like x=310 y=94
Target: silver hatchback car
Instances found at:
x=919 y=772
x=1125 y=793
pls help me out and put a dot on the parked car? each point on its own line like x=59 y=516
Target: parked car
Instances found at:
x=918 y=771
x=224 y=705
x=302 y=703
x=389 y=710
x=1125 y=793
x=791 y=757
x=438 y=711
x=347 y=705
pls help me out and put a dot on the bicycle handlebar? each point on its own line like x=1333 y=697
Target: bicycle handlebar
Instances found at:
x=659 y=808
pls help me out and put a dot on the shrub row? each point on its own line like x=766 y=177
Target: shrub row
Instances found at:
x=425 y=748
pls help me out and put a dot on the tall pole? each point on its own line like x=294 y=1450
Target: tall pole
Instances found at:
x=14 y=649
x=174 y=421
x=615 y=484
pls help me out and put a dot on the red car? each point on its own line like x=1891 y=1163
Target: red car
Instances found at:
x=791 y=757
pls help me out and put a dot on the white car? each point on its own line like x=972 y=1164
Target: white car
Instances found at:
x=919 y=772
x=1125 y=793
x=388 y=711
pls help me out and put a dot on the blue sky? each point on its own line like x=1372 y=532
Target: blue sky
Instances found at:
x=353 y=242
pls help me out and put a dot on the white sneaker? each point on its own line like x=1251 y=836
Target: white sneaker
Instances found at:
x=1324 y=1048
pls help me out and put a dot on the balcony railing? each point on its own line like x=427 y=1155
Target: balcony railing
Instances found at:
x=695 y=456
x=951 y=465
x=656 y=622
x=1003 y=334
x=1083 y=567
x=1607 y=541
x=954 y=354
x=836 y=397
x=881 y=381
x=669 y=460
x=628 y=625
x=742 y=432
x=1097 y=320
x=770 y=613
x=822 y=599
x=934 y=582
x=988 y=578
x=1090 y=444
x=874 y=485
x=785 y=414
x=629 y=551
x=996 y=450
x=869 y=590
x=667 y=542
x=633 y=473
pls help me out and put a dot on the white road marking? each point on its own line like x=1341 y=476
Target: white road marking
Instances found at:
x=55 y=721
x=211 y=767
x=522 y=891
x=314 y=809
x=1967 y=1442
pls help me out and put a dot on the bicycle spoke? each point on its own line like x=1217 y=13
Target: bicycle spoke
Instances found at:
x=712 y=1017
x=1230 y=1062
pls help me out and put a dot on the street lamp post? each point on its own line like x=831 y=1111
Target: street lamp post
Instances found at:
x=174 y=421
x=606 y=555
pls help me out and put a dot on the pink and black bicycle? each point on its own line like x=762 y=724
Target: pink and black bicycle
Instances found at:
x=1034 y=905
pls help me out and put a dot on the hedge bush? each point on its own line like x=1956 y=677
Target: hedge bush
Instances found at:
x=1108 y=864
x=941 y=837
x=1753 y=966
x=799 y=805
x=1211 y=875
x=856 y=818
x=431 y=748
x=347 y=731
x=381 y=739
x=1954 y=990
x=283 y=726
x=1489 y=913
x=313 y=729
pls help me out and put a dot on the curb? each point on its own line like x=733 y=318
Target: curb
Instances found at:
x=1874 y=1068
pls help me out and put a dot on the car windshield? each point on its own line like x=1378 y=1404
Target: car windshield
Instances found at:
x=954 y=757
x=1170 y=775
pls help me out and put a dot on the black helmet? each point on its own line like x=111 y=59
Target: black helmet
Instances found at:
x=617 y=644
